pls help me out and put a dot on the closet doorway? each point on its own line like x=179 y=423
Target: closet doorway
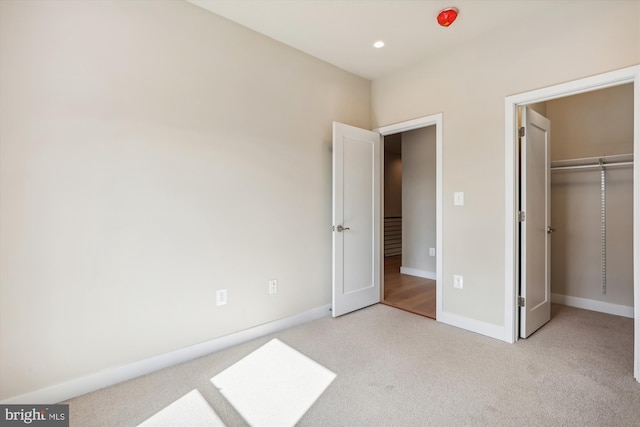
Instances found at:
x=583 y=113
x=591 y=199
x=410 y=221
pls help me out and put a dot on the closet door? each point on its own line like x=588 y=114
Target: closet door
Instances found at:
x=535 y=284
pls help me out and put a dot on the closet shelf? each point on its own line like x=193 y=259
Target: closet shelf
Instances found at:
x=617 y=160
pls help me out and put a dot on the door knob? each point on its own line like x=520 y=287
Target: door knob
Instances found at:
x=550 y=230
x=341 y=228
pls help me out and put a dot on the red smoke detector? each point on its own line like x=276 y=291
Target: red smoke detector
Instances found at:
x=447 y=16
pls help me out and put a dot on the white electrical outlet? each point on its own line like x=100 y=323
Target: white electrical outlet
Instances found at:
x=457 y=281
x=221 y=297
x=432 y=251
x=273 y=286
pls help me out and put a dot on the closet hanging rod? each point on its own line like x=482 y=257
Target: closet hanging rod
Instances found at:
x=589 y=160
x=595 y=166
x=593 y=162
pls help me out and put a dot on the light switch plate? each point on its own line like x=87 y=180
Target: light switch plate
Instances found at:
x=457 y=281
x=458 y=198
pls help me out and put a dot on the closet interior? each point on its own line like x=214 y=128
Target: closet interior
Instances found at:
x=592 y=199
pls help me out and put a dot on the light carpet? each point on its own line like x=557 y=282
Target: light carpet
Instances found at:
x=398 y=369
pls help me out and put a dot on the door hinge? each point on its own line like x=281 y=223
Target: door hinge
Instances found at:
x=520 y=301
x=521 y=216
x=521 y=132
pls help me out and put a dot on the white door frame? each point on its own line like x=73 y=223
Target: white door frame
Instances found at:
x=601 y=81
x=421 y=122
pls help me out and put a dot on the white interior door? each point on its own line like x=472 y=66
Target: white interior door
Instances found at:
x=535 y=285
x=356 y=218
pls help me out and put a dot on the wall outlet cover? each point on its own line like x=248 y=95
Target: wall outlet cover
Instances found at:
x=221 y=297
x=273 y=286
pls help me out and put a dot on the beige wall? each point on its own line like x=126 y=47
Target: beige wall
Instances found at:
x=592 y=124
x=539 y=107
x=151 y=153
x=469 y=85
x=598 y=123
x=419 y=199
x=392 y=177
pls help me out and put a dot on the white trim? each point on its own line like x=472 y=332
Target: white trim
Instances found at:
x=636 y=222
x=601 y=81
x=593 y=305
x=76 y=387
x=483 y=328
x=418 y=123
x=418 y=273
x=434 y=119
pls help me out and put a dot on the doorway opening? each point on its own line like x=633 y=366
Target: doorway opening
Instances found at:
x=579 y=216
x=572 y=147
x=409 y=212
x=412 y=207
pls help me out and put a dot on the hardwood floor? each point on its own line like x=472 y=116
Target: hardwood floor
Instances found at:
x=410 y=293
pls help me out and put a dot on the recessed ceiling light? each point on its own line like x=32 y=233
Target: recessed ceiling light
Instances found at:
x=378 y=44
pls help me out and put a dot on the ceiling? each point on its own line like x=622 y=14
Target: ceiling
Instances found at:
x=342 y=32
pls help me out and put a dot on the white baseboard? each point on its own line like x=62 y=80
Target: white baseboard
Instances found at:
x=477 y=326
x=419 y=273
x=79 y=386
x=593 y=305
